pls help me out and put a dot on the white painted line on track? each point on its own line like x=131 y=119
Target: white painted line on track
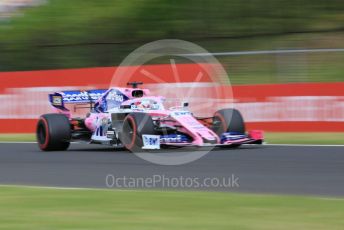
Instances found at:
x=114 y=189
x=143 y=191
x=267 y=144
x=30 y=142
x=17 y=142
x=69 y=188
x=305 y=145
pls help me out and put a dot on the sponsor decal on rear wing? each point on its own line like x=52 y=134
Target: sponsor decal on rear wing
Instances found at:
x=58 y=99
x=76 y=96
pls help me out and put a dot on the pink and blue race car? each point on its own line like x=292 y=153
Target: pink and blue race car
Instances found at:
x=133 y=119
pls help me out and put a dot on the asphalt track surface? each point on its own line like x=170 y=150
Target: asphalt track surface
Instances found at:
x=310 y=170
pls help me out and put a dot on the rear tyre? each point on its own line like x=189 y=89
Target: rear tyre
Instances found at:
x=228 y=120
x=134 y=125
x=53 y=132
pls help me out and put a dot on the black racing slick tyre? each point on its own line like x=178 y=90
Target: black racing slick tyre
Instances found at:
x=53 y=132
x=228 y=120
x=134 y=125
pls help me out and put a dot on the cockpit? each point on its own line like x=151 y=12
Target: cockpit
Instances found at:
x=147 y=104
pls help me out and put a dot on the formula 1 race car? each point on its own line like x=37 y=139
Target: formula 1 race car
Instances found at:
x=130 y=118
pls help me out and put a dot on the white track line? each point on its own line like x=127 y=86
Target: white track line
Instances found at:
x=69 y=188
x=291 y=145
x=17 y=142
x=305 y=145
x=111 y=189
x=30 y=142
x=336 y=199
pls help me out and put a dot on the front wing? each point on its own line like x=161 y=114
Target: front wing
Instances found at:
x=227 y=139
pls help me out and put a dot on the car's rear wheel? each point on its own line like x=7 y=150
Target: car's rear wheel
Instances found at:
x=53 y=132
x=134 y=126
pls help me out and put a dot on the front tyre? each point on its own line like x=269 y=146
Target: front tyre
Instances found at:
x=134 y=126
x=228 y=120
x=53 y=132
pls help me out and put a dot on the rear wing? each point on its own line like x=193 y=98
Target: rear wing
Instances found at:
x=59 y=99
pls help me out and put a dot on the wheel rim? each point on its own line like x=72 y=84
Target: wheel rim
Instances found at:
x=129 y=133
x=218 y=125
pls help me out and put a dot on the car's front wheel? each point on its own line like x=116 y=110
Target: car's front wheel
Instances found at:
x=134 y=126
x=228 y=120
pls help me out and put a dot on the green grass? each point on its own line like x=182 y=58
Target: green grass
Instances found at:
x=17 y=137
x=39 y=208
x=271 y=138
x=305 y=138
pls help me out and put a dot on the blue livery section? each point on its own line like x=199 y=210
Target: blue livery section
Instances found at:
x=174 y=138
x=59 y=99
x=232 y=136
x=78 y=96
x=110 y=100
